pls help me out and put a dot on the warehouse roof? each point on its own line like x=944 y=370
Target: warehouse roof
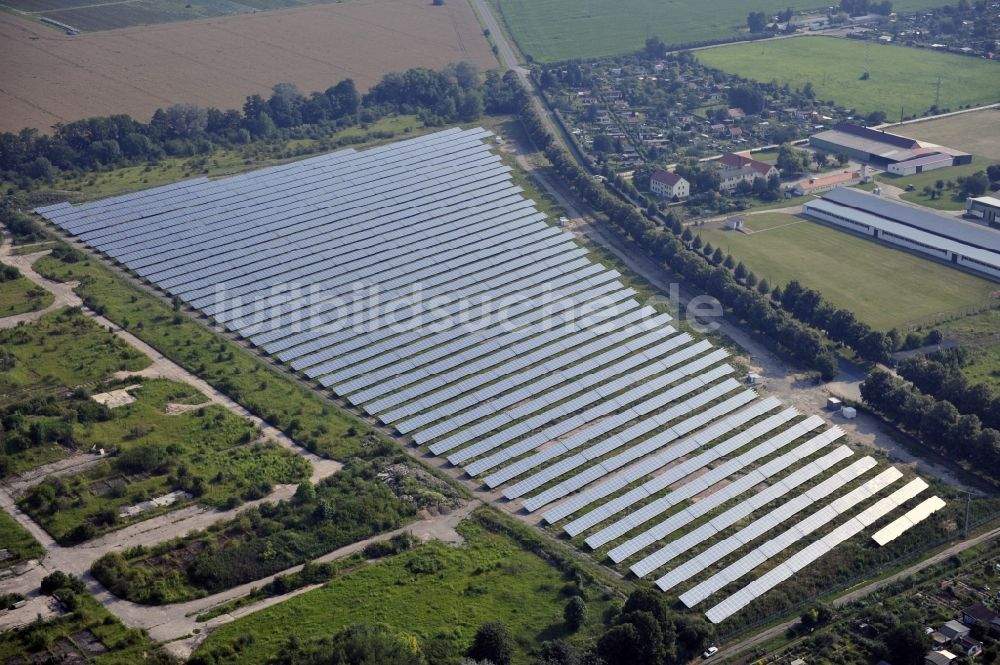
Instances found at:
x=990 y=258
x=923 y=220
x=926 y=158
x=991 y=201
x=876 y=135
x=866 y=145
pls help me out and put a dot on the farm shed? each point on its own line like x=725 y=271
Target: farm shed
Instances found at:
x=879 y=147
x=945 y=238
x=922 y=163
x=986 y=208
x=818 y=184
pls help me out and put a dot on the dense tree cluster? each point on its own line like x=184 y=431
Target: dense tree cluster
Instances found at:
x=862 y=7
x=939 y=375
x=648 y=633
x=23 y=229
x=757 y=22
x=454 y=94
x=936 y=423
x=8 y=273
x=349 y=506
x=748 y=97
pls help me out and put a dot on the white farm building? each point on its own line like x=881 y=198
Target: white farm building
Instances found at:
x=948 y=239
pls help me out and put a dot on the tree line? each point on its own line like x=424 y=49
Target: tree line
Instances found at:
x=792 y=317
x=671 y=250
x=454 y=94
x=937 y=424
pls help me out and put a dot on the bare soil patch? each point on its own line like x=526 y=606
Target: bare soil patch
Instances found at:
x=48 y=77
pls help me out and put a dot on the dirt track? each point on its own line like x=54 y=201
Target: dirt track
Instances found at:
x=48 y=77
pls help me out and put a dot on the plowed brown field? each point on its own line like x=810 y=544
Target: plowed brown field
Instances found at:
x=47 y=77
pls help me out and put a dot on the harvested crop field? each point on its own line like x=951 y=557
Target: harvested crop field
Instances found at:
x=48 y=77
x=977 y=132
x=87 y=16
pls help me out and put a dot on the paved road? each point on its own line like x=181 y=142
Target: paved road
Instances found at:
x=509 y=59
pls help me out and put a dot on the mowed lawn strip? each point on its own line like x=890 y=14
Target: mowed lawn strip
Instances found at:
x=556 y=30
x=900 y=77
x=434 y=592
x=884 y=287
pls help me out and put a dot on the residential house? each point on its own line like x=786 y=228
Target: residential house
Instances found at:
x=939 y=658
x=980 y=615
x=734 y=169
x=968 y=646
x=669 y=185
x=954 y=630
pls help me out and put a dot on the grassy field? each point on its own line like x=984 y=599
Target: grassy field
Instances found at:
x=884 y=287
x=555 y=30
x=64 y=348
x=17 y=541
x=206 y=451
x=278 y=399
x=975 y=133
x=951 y=199
x=18 y=296
x=439 y=594
x=900 y=76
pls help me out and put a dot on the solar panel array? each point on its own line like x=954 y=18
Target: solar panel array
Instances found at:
x=416 y=281
x=904 y=523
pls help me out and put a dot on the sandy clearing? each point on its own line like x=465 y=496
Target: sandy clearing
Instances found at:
x=49 y=77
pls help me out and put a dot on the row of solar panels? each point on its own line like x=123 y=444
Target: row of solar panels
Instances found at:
x=519 y=359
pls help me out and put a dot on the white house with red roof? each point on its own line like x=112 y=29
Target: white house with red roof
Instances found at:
x=669 y=185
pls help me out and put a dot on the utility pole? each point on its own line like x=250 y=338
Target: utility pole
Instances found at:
x=968 y=507
x=937 y=97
